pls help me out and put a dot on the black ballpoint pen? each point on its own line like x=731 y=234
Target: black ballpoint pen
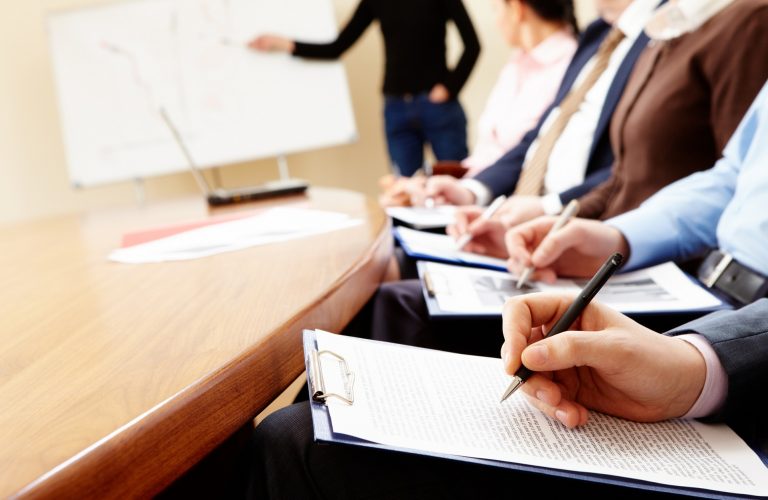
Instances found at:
x=574 y=310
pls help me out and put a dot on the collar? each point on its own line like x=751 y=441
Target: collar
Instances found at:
x=634 y=19
x=679 y=17
x=554 y=48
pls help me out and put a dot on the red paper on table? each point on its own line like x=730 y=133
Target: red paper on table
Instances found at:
x=147 y=235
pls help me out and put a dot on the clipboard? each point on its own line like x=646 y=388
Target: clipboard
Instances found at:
x=320 y=393
x=459 y=258
x=443 y=284
x=433 y=220
x=433 y=284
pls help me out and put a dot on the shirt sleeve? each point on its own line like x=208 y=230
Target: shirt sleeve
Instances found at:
x=680 y=221
x=715 y=390
x=361 y=19
x=458 y=77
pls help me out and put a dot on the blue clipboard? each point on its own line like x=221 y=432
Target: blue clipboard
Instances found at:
x=323 y=431
x=458 y=259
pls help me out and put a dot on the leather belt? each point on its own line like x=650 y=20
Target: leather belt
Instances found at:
x=720 y=271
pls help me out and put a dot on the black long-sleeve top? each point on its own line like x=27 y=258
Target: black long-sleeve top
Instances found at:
x=414 y=39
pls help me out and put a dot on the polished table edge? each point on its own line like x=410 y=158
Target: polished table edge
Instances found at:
x=129 y=463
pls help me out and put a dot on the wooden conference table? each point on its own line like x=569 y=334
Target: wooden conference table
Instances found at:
x=115 y=378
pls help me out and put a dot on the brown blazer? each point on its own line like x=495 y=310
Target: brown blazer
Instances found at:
x=682 y=103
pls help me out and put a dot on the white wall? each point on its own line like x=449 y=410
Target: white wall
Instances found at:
x=33 y=175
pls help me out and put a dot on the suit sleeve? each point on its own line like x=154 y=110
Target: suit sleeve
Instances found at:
x=740 y=339
x=591 y=182
x=458 y=77
x=594 y=202
x=501 y=177
x=361 y=19
x=737 y=80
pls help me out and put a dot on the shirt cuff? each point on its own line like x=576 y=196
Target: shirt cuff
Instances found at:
x=482 y=193
x=715 y=388
x=551 y=204
x=645 y=235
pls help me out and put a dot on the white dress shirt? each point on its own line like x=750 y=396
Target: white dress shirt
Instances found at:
x=568 y=160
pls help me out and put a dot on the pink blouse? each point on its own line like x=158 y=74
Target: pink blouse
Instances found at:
x=526 y=87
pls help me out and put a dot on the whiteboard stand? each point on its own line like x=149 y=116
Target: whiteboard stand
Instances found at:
x=216 y=174
x=282 y=165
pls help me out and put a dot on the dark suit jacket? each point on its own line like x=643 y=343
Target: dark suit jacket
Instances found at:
x=501 y=177
x=740 y=339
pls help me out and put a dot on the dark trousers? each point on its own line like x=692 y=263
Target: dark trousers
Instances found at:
x=412 y=122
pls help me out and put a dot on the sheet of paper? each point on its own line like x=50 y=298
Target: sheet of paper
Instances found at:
x=449 y=403
x=662 y=288
x=422 y=217
x=443 y=247
x=272 y=226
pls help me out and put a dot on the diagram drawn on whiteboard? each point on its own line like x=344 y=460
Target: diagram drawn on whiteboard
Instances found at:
x=116 y=64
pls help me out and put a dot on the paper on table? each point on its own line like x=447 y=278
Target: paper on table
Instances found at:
x=272 y=226
x=422 y=217
x=448 y=403
x=662 y=288
x=442 y=247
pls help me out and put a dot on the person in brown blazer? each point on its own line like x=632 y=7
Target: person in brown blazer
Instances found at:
x=681 y=105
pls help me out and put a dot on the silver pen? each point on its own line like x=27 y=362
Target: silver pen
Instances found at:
x=487 y=214
x=566 y=215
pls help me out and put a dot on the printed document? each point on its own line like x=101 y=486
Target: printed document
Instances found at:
x=441 y=402
x=272 y=226
x=662 y=288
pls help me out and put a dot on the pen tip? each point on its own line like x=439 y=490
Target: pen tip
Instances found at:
x=515 y=385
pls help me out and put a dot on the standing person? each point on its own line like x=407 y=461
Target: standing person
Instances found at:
x=421 y=92
x=542 y=36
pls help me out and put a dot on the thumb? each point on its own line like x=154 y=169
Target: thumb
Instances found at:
x=567 y=350
x=479 y=226
x=554 y=244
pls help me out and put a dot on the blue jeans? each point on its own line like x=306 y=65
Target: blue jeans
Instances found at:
x=412 y=122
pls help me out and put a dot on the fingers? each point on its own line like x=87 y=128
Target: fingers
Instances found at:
x=522 y=240
x=462 y=218
x=547 y=396
x=449 y=190
x=571 y=349
x=553 y=245
x=520 y=316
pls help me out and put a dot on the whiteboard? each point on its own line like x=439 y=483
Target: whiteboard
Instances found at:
x=116 y=64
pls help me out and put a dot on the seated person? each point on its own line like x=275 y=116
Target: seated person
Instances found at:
x=607 y=363
x=542 y=32
x=713 y=213
x=680 y=108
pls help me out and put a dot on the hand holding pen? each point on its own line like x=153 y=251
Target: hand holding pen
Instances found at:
x=575 y=310
x=487 y=214
x=566 y=215
x=577 y=250
x=605 y=362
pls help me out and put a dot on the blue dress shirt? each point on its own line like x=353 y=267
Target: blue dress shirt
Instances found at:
x=723 y=207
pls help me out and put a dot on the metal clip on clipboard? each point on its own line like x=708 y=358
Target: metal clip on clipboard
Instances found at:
x=436 y=283
x=317 y=385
